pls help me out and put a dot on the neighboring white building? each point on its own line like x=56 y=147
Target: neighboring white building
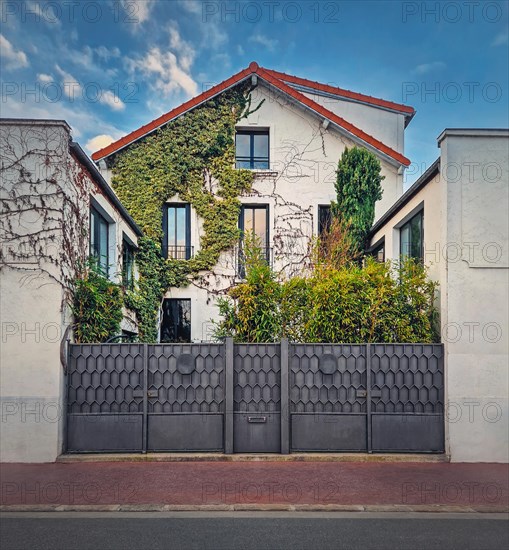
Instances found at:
x=302 y=128
x=50 y=192
x=456 y=218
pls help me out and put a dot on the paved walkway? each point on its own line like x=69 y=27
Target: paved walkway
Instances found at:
x=256 y=484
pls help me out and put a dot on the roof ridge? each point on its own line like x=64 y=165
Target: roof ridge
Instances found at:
x=271 y=78
x=335 y=90
x=335 y=118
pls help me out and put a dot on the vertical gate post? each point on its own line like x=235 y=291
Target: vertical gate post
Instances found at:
x=285 y=398
x=368 y=396
x=228 y=412
x=145 y=399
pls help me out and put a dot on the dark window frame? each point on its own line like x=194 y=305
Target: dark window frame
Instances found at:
x=128 y=255
x=241 y=264
x=169 y=307
x=321 y=226
x=251 y=132
x=408 y=223
x=94 y=241
x=166 y=245
x=374 y=250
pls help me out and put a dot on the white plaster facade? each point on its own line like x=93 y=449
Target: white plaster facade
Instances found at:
x=38 y=160
x=465 y=202
x=303 y=161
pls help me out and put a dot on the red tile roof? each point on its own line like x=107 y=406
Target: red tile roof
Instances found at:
x=370 y=100
x=272 y=78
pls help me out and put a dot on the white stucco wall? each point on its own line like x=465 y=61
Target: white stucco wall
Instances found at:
x=476 y=305
x=33 y=302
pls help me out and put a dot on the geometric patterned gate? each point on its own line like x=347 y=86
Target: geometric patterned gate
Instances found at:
x=275 y=398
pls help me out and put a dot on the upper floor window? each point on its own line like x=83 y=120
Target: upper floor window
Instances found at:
x=99 y=240
x=177 y=231
x=252 y=149
x=324 y=218
x=411 y=237
x=127 y=265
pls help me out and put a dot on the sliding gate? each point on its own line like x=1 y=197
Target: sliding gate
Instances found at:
x=273 y=398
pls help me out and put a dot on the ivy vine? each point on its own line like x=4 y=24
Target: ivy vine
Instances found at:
x=192 y=157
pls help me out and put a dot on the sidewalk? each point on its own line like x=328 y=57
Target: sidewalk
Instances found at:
x=373 y=486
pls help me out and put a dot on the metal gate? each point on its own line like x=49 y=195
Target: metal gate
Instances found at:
x=272 y=398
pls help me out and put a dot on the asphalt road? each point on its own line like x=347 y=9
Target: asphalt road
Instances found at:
x=126 y=531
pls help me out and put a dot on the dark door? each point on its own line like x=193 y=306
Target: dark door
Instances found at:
x=176 y=321
x=257 y=398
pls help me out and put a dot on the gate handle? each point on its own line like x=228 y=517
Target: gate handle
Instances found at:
x=257 y=419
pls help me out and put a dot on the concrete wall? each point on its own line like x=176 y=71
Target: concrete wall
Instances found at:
x=466 y=227
x=475 y=308
x=303 y=162
x=36 y=266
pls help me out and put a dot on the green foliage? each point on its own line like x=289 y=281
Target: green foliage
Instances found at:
x=96 y=306
x=192 y=157
x=358 y=187
x=377 y=302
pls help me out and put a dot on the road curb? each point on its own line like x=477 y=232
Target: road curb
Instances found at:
x=425 y=508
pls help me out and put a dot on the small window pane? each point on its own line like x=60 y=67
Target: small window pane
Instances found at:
x=171 y=226
x=180 y=229
x=261 y=145
x=260 y=225
x=243 y=145
x=261 y=164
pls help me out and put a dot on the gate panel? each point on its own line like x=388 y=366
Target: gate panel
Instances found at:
x=185 y=397
x=407 y=397
x=105 y=398
x=328 y=397
x=257 y=398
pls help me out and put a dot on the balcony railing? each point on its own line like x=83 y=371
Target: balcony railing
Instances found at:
x=240 y=267
x=180 y=252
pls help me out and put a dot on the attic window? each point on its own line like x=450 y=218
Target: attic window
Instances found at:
x=252 y=149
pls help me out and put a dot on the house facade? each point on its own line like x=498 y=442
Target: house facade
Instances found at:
x=291 y=140
x=56 y=210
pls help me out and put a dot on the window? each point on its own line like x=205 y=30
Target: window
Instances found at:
x=127 y=265
x=177 y=231
x=99 y=241
x=324 y=218
x=176 y=321
x=411 y=238
x=252 y=149
x=254 y=220
x=378 y=252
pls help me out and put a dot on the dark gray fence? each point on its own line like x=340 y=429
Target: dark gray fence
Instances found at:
x=239 y=398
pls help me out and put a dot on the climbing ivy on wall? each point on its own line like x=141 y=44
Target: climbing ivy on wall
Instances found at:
x=192 y=157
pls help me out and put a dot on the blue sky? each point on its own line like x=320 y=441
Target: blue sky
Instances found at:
x=110 y=66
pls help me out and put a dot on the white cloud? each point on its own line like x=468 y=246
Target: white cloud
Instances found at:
x=170 y=76
x=183 y=49
x=429 y=67
x=171 y=68
x=46 y=14
x=41 y=77
x=137 y=11
x=15 y=59
x=270 y=43
x=109 y=98
x=501 y=39
x=207 y=27
x=98 y=142
x=72 y=88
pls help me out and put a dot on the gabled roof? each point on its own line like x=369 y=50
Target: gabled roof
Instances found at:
x=271 y=78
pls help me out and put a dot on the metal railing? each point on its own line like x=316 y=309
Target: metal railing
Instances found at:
x=179 y=252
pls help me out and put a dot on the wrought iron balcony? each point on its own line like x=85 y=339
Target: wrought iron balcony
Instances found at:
x=180 y=252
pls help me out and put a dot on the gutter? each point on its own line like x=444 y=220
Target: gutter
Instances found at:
x=105 y=187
